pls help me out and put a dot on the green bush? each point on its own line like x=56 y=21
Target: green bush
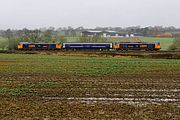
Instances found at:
x=172 y=47
x=176 y=44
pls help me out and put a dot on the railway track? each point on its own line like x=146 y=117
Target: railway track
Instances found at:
x=55 y=51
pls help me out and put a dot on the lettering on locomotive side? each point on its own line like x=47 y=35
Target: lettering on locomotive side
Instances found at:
x=143 y=46
x=31 y=46
x=45 y=46
x=130 y=46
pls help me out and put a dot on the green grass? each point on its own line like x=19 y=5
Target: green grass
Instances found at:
x=3 y=43
x=14 y=91
x=3 y=39
x=70 y=65
x=23 y=67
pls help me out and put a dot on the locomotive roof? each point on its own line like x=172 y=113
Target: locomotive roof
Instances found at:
x=138 y=42
x=91 y=43
x=36 y=43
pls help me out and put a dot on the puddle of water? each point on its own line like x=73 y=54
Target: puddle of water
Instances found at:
x=122 y=100
x=149 y=90
x=130 y=98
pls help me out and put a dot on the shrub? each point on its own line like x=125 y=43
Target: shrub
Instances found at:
x=176 y=44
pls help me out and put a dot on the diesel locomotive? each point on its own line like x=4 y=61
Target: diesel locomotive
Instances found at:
x=152 y=46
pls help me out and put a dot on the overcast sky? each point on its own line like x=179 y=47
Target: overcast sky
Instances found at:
x=32 y=14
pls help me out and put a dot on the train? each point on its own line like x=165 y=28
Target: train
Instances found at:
x=118 y=46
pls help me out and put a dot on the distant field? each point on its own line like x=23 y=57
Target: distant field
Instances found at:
x=3 y=43
x=52 y=87
x=3 y=39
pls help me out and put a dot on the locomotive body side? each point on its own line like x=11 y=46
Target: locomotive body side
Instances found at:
x=137 y=46
x=39 y=46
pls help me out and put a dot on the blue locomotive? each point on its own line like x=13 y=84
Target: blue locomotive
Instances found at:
x=38 y=46
x=137 y=46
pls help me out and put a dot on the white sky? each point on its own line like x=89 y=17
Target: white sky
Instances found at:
x=32 y=14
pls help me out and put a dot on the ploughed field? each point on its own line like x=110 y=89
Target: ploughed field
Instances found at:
x=52 y=87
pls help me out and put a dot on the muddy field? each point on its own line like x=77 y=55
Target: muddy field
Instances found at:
x=86 y=87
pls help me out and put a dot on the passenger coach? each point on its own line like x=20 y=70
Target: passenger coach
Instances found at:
x=87 y=46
